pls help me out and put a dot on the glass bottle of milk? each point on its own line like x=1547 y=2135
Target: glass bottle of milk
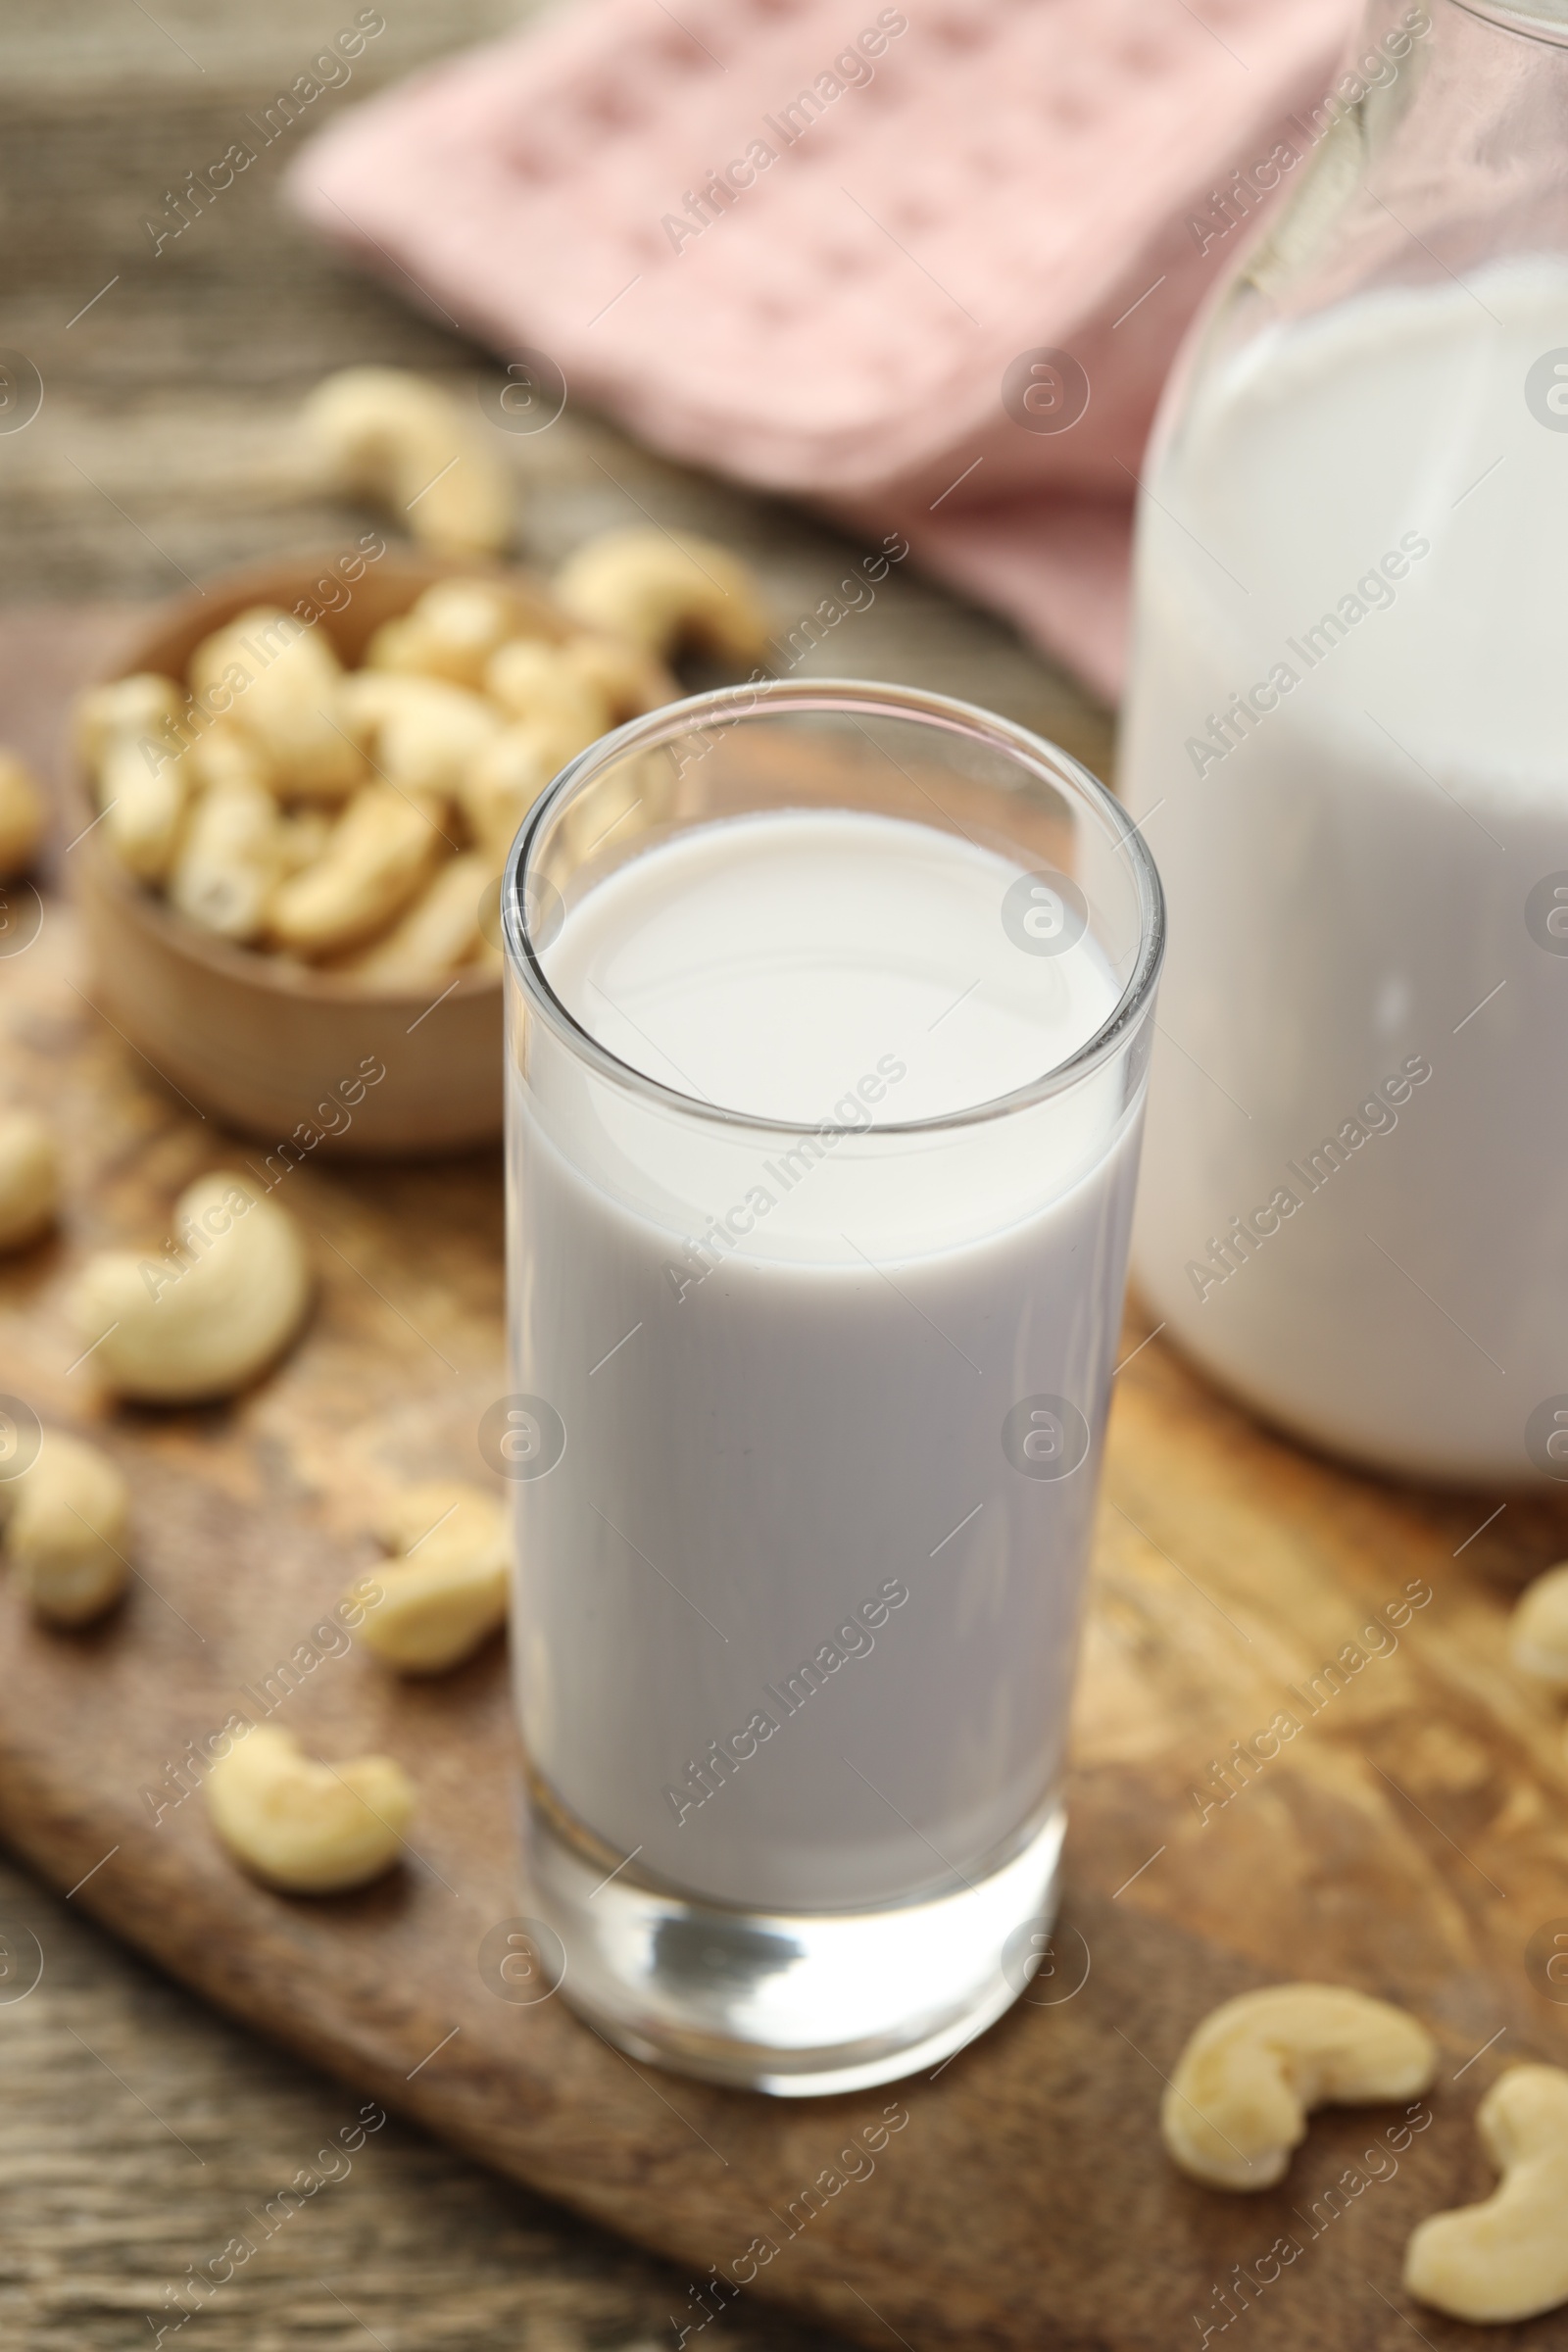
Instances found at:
x=1348 y=748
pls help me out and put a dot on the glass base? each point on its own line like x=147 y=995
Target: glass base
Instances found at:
x=801 y=2004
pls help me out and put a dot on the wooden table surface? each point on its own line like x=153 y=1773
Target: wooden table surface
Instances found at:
x=162 y=449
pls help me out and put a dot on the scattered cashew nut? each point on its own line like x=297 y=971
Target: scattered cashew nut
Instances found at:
x=1506 y=2259
x=30 y=1179
x=278 y=679
x=1239 y=2100
x=448 y=1594
x=665 y=589
x=391 y=436
x=307 y=1828
x=67 y=1530
x=22 y=816
x=1538 y=1641
x=175 y=1330
x=381 y=851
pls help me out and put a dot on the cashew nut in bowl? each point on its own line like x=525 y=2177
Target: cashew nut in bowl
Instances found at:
x=388 y=435
x=307 y=1828
x=1239 y=2100
x=278 y=679
x=1507 y=2258
x=30 y=1179
x=230 y=860
x=1537 y=1638
x=439 y=932
x=226 y=754
x=664 y=589
x=420 y=732
x=450 y=632
x=629 y=678
x=66 y=1532
x=381 y=854
x=22 y=816
x=126 y=733
x=535 y=681
x=449 y=1593
x=508 y=775
x=145 y=707
x=203 y=1321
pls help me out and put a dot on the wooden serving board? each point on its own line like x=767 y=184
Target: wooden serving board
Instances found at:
x=1411 y=1839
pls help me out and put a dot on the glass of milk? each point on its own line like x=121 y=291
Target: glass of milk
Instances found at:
x=829 y=1008
x=1346 y=745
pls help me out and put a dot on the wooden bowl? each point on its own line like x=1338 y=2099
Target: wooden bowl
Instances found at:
x=274 y=1050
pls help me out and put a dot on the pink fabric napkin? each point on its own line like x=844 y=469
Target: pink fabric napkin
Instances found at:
x=924 y=266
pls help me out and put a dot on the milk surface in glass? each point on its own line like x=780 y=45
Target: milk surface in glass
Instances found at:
x=792 y=1625
x=1346 y=741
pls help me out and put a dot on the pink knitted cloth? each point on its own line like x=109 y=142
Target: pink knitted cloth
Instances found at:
x=924 y=266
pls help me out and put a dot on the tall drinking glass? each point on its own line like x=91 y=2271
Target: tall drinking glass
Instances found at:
x=829 y=1010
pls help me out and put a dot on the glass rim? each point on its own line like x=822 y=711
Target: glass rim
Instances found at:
x=1032 y=753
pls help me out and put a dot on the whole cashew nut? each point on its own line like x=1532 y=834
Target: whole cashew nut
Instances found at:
x=435 y=935
x=449 y=631
x=230 y=861
x=449 y=1593
x=421 y=732
x=30 y=1179
x=504 y=782
x=1537 y=1640
x=664 y=589
x=67 y=1530
x=388 y=435
x=125 y=735
x=629 y=678
x=381 y=853
x=533 y=680
x=1506 y=2259
x=22 y=816
x=278 y=679
x=307 y=1828
x=1239 y=2100
x=143 y=707
x=177 y=1330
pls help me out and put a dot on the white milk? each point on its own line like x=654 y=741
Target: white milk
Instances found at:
x=1348 y=883
x=784 y=1557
